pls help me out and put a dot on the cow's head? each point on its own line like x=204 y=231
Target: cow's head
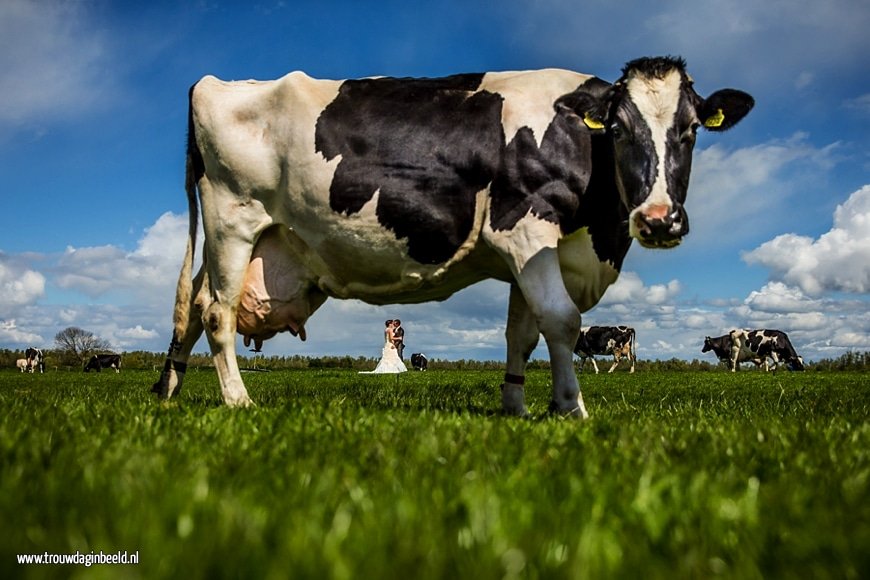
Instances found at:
x=796 y=363
x=708 y=344
x=650 y=116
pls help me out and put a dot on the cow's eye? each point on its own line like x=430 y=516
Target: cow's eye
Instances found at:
x=689 y=134
x=616 y=131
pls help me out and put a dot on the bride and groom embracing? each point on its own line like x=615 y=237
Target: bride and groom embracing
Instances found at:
x=394 y=345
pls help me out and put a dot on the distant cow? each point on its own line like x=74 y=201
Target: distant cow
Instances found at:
x=21 y=365
x=99 y=362
x=722 y=347
x=402 y=191
x=764 y=344
x=419 y=361
x=35 y=359
x=616 y=340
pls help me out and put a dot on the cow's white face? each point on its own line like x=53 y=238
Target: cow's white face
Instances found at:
x=653 y=131
x=651 y=117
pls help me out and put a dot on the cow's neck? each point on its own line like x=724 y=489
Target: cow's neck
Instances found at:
x=601 y=208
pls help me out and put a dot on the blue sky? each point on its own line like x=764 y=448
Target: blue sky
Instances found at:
x=93 y=104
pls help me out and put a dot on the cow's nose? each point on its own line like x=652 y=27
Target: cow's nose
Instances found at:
x=661 y=226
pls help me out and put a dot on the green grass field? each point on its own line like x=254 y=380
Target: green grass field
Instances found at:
x=340 y=475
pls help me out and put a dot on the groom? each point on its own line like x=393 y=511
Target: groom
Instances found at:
x=399 y=337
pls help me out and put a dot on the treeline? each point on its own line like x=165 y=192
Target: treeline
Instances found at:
x=851 y=361
x=144 y=360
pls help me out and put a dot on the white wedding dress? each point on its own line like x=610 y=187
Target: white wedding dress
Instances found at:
x=390 y=361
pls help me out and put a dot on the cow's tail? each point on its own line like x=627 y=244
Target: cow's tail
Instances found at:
x=194 y=170
x=633 y=346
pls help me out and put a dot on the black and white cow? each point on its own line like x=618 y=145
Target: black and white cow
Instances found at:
x=98 y=362
x=723 y=348
x=764 y=344
x=393 y=190
x=35 y=359
x=618 y=341
x=419 y=361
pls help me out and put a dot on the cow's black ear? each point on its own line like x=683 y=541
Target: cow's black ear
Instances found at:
x=584 y=105
x=724 y=109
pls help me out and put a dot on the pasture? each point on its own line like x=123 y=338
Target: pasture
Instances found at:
x=340 y=475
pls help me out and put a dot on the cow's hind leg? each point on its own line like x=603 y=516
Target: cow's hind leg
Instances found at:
x=219 y=317
x=522 y=337
x=187 y=332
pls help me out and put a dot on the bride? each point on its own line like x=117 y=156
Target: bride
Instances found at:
x=390 y=361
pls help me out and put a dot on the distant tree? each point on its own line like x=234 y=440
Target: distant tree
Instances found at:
x=75 y=345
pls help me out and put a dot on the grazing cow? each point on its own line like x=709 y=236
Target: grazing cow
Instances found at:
x=419 y=361
x=723 y=348
x=394 y=191
x=35 y=359
x=616 y=340
x=764 y=344
x=22 y=365
x=99 y=362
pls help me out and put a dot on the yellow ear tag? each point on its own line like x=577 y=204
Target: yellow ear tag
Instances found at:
x=592 y=123
x=715 y=120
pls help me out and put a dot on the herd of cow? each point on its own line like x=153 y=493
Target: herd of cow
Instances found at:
x=34 y=360
x=755 y=346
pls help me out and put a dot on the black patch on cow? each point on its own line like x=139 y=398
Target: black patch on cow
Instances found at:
x=548 y=180
x=428 y=145
x=601 y=208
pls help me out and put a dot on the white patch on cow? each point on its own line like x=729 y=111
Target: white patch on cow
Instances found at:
x=524 y=91
x=657 y=100
x=586 y=277
x=522 y=242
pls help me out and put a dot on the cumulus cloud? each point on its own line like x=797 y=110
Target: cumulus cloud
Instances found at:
x=51 y=59
x=838 y=260
x=19 y=285
x=148 y=273
x=629 y=288
x=12 y=335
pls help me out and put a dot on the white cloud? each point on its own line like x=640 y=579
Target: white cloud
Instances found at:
x=629 y=288
x=19 y=285
x=776 y=297
x=12 y=335
x=51 y=60
x=838 y=260
x=148 y=273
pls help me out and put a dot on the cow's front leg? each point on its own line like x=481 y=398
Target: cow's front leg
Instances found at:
x=522 y=337
x=558 y=319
